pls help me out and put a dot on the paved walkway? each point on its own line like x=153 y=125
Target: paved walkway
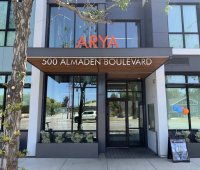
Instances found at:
x=103 y=163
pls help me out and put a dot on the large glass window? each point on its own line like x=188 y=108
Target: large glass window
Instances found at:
x=183 y=101
x=66 y=28
x=26 y=100
x=71 y=103
x=176 y=120
x=183 y=26
x=7 y=24
x=125 y=33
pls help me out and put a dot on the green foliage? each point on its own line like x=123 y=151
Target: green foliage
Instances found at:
x=14 y=107
x=45 y=137
x=77 y=137
x=2 y=152
x=197 y=136
x=122 y=4
x=51 y=106
x=59 y=137
x=21 y=154
x=185 y=134
x=89 y=138
x=167 y=8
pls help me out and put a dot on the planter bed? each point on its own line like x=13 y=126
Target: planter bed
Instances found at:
x=193 y=150
x=67 y=150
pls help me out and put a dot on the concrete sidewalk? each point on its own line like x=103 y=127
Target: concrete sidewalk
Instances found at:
x=107 y=164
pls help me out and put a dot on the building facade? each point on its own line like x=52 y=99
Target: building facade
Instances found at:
x=130 y=83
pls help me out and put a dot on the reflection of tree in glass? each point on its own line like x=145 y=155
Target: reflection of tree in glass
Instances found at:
x=115 y=107
x=51 y=106
x=81 y=82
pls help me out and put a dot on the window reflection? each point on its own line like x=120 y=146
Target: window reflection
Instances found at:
x=176 y=96
x=25 y=109
x=67 y=98
x=194 y=101
x=183 y=26
x=125 y=33
x=66 y=28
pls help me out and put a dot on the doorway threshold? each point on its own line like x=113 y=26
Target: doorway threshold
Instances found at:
x=133 y=152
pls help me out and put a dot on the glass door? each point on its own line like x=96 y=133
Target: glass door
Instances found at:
x=117 y=124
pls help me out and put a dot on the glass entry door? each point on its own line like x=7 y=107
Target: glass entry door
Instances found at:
x=117 y=124
x=124 y=114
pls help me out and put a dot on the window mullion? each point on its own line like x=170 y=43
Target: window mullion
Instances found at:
x=182 y=24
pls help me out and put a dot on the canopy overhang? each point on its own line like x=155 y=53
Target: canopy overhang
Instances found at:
x=117 y=63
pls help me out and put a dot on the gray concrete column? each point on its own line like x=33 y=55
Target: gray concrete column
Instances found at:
x=102 y=112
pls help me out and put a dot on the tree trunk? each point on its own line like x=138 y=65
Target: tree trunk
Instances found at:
x=80 y=111
x=12 y=116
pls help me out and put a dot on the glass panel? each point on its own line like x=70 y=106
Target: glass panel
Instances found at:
x=116 y=86
x=1 y=103
x=194 y=96
x=132 y=35
x=176 y=40
x=117 y=123
x=2 y=38
x=174 y=19
x=194 y=79
x=134 y=86
x=11 y=19
x=134 y=136
x=10 y=38
x=176 y=100
x=61 y=28
x=115 y=95
x=58 y=103
x=2 y=79
x=89 y=113
x=117 y=29
x=134 y=103
x=25 y=109
x=64 y=104
x=190 y=18
x=28 y=79
x=175 y=79
x=84 y=29
x=192 y=41
x=3 y=14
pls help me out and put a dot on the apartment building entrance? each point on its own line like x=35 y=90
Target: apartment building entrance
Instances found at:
x=125 y=114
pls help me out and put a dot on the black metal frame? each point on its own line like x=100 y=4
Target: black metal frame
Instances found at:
x=183 y=33
x=7 y=29
x=49 y=6
x=43 y=116
x=187 y=86
x=138 y=28
x=141 y=130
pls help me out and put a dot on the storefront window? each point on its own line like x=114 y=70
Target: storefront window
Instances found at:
x=176 y=120
x=183 y=101
x=194 y=96
x=67 y=97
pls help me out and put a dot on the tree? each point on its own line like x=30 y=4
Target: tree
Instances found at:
x=12 y=114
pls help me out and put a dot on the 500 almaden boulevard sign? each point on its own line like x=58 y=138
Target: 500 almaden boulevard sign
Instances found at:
x=96 y=61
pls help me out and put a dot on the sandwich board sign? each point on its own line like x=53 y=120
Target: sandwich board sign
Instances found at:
x=179 y=150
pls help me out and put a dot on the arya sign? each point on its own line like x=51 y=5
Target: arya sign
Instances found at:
x=96 y=61
x=93 y=42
